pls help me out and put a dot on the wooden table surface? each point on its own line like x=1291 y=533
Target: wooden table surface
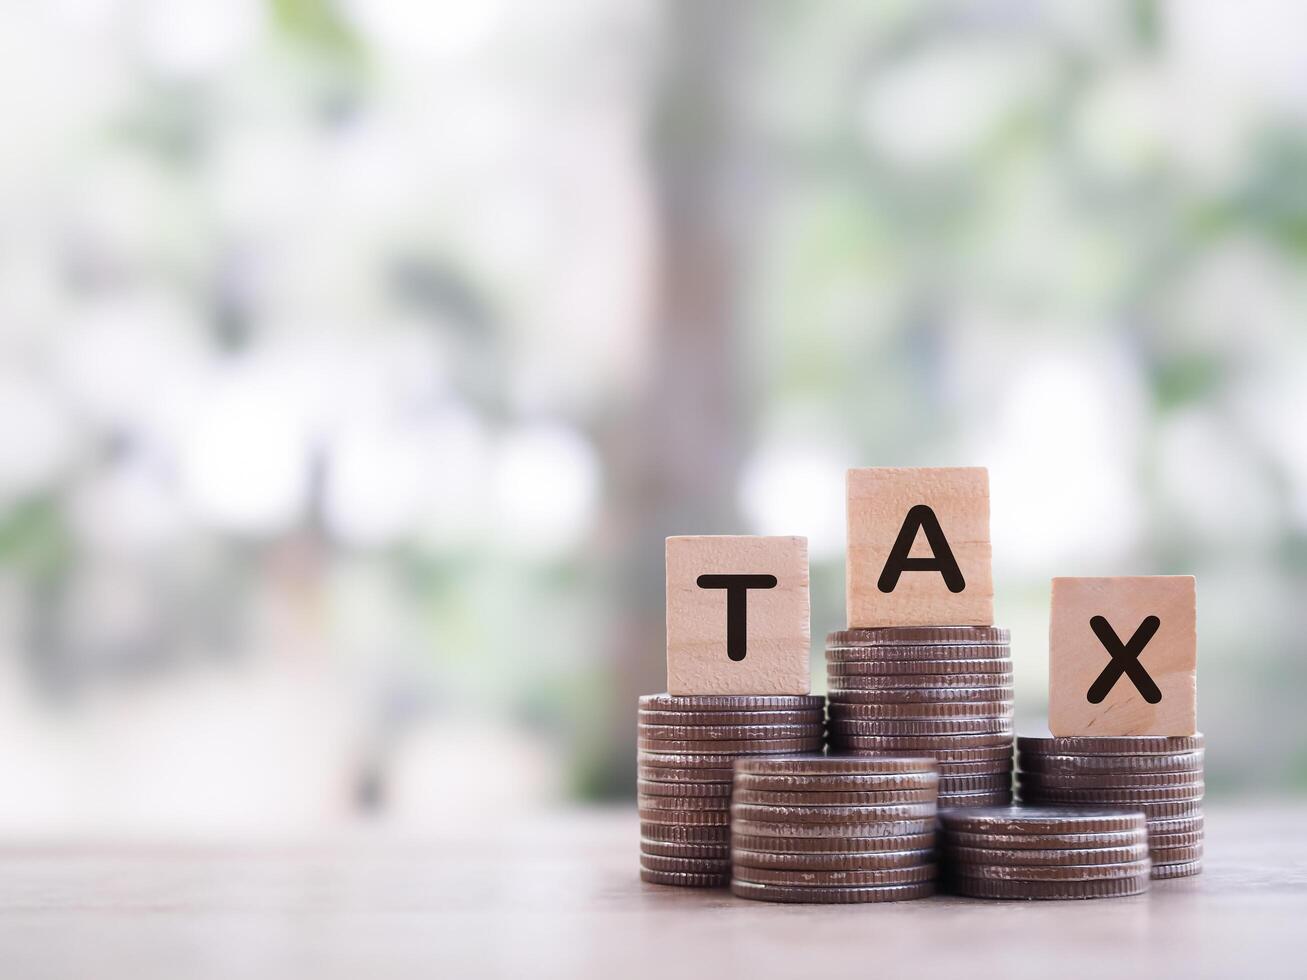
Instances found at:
x=559 y=896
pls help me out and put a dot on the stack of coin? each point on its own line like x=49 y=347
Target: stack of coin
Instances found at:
x=825 y=829
x=1160 y=775
x=687 y=746
x=942 y=691
x=1044 y=852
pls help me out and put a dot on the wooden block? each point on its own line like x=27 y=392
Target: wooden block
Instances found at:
x=737 y=615
x=1150 y=686
x=936 y=517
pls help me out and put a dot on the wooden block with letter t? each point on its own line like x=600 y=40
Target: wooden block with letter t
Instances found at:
x=737 y=615
x=918 y=547
x=1123 y=656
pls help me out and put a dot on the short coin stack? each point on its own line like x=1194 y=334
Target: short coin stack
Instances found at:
x=940 y=691
x=1160 y=775
x=826 y=829
x=1044 y=852
x=687 y=746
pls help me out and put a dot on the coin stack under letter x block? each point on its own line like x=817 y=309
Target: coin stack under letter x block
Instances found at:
x=827 y=829
x=1162 y=776
x=921 y=669
x=737 y=670
x=1123 y=710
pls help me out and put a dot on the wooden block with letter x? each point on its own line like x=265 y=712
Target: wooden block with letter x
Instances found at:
x=1123 y=656
x=918 y=547
x=737 y=615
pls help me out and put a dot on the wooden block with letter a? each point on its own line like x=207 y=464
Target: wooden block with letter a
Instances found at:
x=737 y=615
x=918 y=547
x=1123 y=656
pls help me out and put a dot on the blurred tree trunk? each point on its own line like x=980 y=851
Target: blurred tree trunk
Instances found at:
x=674 y=465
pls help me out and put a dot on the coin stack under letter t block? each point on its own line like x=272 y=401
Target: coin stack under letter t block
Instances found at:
x=738 y=682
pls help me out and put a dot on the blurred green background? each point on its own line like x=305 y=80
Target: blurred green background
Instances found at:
x=358 y=356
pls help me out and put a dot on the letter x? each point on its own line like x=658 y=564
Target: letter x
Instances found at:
x=1125 y=660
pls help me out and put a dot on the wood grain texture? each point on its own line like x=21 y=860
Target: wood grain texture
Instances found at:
x=778 y=619
x=1077 y=655
x=879 y=500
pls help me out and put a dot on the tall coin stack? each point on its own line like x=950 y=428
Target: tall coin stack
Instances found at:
x=687 y=747
x=824 y=829
x=1158 y=774
x=939 y=691
x=1044 y=852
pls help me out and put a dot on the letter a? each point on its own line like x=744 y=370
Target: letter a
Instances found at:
x=921 y=518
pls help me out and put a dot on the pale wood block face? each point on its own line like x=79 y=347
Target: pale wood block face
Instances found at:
x=770 y=628
x=1093 y=693
x=881 y=502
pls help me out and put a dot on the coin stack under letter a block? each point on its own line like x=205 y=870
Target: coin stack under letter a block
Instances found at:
x=737 y=670
x=921 y=669
x=1159 y=775
x=943 y=692
x=1044 y=852
x=826 y=829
